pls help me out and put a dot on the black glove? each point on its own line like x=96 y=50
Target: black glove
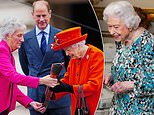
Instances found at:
x=62 y=87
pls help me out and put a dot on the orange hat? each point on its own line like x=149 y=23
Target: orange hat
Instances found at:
x=68 y=37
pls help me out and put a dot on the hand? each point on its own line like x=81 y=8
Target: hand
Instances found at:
x=38 y=106
x=108 y=80
x=47 y=80
x=62 y=87
x=121 y=87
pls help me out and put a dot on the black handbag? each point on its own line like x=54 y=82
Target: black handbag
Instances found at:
x=81 y=105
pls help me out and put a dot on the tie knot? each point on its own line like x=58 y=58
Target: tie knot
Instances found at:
x=42 y=32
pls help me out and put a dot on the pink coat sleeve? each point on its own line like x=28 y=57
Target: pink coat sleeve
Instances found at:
x=23 y=99
x=7 y=70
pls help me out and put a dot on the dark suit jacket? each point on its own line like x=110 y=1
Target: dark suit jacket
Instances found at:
x=35 y=64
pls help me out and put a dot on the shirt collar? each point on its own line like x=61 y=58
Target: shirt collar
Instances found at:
x=46 y=30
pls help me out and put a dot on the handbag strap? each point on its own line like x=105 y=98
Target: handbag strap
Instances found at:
x=81 y=98
x=83 y=101
x=78 y=96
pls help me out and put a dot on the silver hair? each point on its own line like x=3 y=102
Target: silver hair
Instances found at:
x=9 y=26
x=81 y=43
x=124 y=11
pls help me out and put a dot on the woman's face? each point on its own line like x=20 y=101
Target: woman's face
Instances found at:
x=16 y=39
x=72 y=52
x=117 y=29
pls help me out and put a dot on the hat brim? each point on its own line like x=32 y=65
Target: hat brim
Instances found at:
x=69 y=43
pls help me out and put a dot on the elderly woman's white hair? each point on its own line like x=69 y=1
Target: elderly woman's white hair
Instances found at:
x=79 y=44
x=9 y=26
x=124 y=11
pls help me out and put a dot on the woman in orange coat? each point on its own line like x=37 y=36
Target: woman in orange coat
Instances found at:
x=86 y=68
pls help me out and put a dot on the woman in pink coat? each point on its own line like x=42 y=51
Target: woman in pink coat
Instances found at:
x=11 y=37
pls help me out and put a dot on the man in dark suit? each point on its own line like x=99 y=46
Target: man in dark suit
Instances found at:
x=36 y=58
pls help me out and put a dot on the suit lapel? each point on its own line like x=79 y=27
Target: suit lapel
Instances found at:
x=51 y=37
x=48 y=50
x=50 y=41
x=34 y=44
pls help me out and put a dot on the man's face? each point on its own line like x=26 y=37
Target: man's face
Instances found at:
x=41 y=16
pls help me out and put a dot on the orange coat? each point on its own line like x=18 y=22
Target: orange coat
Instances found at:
x=88 y=71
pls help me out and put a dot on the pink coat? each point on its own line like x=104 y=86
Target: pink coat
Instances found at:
x=9 y=79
